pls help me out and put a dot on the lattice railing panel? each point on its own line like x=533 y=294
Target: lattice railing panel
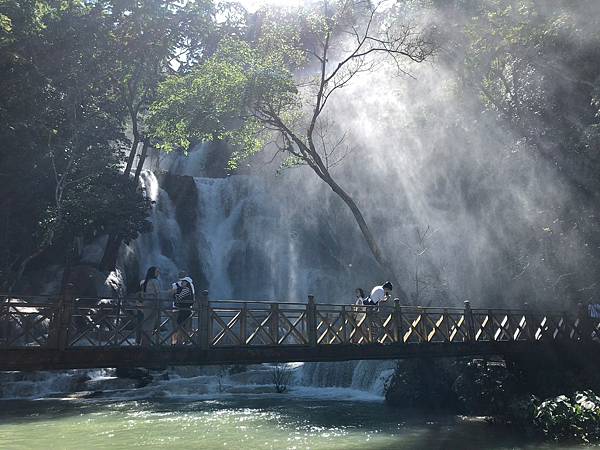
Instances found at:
x=25 y=322
x=131 y=322
x=330 y=327
x=293 y=327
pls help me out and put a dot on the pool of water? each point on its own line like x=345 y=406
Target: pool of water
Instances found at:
x=242 y=422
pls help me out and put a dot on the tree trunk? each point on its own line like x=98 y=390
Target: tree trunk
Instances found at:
x=111 y=253
x=19 y=273
x=113 y=244
x=314 y=161
x=383 y=262
x=132 y=154
x=140 y=165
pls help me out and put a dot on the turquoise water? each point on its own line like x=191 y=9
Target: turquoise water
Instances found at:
x=242 y=422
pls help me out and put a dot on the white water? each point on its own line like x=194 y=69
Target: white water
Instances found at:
x=219 y=212
x=160 y=247
x=355 y=381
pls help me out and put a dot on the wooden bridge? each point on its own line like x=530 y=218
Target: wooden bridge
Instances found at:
x=45 y=333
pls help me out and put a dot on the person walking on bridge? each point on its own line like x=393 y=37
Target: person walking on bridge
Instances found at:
x=359 y=315
x=151 y=306
x=184 y=296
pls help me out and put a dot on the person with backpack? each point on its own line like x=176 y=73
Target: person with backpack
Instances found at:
x=184 y=296
x=379 y=294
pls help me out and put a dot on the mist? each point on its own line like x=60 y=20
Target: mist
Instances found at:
x=464 y=206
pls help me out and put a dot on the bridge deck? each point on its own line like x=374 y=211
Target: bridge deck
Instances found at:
x=65 y=332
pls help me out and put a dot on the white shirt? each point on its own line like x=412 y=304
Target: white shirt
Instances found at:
x=377 y=294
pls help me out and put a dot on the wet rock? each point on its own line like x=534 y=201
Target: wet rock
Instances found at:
x=112 y=384
x=131 y=372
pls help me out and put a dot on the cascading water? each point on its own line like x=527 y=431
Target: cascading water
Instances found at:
x=219 y=212
x=162 y=246
x=232 y=215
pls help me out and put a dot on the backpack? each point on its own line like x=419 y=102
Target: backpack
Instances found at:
x=368 y=302
x=186 y=300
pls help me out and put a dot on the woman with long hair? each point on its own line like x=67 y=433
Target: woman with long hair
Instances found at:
x=150 y=297
x=360 y=296
x=359 y=310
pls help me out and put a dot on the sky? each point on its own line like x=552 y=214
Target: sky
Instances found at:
x=253 y=5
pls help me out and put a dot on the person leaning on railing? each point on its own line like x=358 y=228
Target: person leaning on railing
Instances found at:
x=379 y=294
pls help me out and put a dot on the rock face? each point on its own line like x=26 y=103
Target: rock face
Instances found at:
x=243 y=237
x=183 y=194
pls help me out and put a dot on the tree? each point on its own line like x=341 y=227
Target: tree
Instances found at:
x=62 y=136
x=246 y=93
x=149 y=40
x=536 y=66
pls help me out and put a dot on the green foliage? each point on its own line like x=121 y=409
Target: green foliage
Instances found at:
x=105 y=203
x=5 y=23
x=534 y=65
x=63 y=133
x=576 y=417
x=76 y=76
x=222 y=99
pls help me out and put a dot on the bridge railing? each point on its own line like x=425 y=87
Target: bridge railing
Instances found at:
x=63 y=322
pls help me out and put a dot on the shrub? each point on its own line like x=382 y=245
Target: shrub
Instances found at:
x=576 y=417
x=281 y=375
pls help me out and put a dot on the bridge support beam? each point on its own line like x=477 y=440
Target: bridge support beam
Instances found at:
x=203 y=321
x=84 y=358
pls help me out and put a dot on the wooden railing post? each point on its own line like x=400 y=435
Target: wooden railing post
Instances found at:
x=399 y=333
x=344 y=328
x=311 y=321
x=584 y=322
x=447 y=331
x=203 y=321
x=58 y=334
x=274 y=323
x=243 y=323
x=529 y=322
x=5 y=319
x=421 y=333
x=469 y=322
x=156 y=306
x=490 y=326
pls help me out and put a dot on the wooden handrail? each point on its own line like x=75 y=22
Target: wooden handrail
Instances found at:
x=68 y=322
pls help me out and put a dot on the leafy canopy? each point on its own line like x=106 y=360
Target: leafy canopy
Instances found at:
x=223 y=98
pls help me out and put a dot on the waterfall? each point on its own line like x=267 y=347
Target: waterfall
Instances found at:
x=245 y=242
x=162 y=246
x=367 y=376
x=240 y=241
x=219 y=212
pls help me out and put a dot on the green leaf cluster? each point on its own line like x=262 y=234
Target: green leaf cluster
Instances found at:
x=223 y=99
x=576 y=417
